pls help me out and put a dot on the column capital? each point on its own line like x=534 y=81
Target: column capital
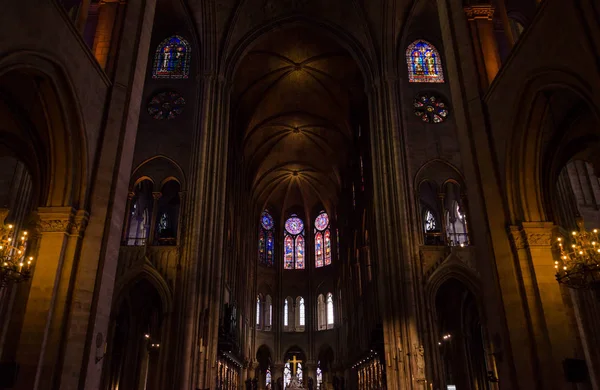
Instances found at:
x=156 y=195
x=54 y=219
x=532 y=234
x=130 y=195
x=480 y=11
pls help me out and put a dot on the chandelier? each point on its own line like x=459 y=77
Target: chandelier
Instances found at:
x=14 y=266
x=579 y=264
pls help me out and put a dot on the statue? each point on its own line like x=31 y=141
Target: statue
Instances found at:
x=295 y=384
x=420 y=360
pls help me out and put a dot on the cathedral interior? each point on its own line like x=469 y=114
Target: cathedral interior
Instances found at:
x=300 y=194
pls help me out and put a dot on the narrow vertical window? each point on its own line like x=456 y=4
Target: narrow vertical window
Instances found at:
x=330 y=320
x=302 y=318
x=322 y=240
x=258 y=311
x=265 y=239
x=285 y=313
x=294 y=243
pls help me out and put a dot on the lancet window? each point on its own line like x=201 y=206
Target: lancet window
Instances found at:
x=294 y=243
x=266 y=239
x=322 y=240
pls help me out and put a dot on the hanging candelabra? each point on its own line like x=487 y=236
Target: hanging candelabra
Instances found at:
x=579 y=264
x=15 y=267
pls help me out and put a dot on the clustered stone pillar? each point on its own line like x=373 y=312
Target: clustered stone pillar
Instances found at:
x=551 y=335
x=481 y=24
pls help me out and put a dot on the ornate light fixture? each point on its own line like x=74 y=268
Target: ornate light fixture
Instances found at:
x=579 y=264
x=14 y=266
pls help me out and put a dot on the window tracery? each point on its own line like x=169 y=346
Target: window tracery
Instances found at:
x=266 y=240
x=294 y=243
x=172 y=59
x=424 y=63
x=322 y=240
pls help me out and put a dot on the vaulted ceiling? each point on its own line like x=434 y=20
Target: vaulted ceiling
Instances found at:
x=294 y=95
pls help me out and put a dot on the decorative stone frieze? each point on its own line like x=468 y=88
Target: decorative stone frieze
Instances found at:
x=482 y=11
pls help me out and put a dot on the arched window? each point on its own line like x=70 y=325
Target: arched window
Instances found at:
x=266 y=240
x=294 y=243
x=167 y=220
x=319 y=376
x=430 y=224
x=287 y=375
x=288 y=314
x=268 y=313
x=140 y=214
x=258 y=312
x=424 y=63
x=172 y=59
x=322 y=240
x=321 y=313
x=300 y=315
x=268 y=377
x=456 y=226
x=299 y=373
x=330 y=319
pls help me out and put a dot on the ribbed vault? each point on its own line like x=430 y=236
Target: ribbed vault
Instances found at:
x=294 y=94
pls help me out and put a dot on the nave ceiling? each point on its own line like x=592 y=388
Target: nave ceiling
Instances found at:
x=294 y=98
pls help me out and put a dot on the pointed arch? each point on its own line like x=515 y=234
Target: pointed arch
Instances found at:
x=172 y=59
x=266 y=239
x=294 y=243
x=322 y=240
x=424 y=63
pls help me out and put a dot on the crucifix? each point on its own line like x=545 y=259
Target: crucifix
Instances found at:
x=294 y=363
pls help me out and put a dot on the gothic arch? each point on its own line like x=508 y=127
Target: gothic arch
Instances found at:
x=439 y=171
x=339 y=34
x=159 y=169
x=150 y=274
x=527 y=155
x=452 y=268
x=64 y=171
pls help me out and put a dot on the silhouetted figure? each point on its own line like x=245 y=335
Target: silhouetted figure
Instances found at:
x=310 y=384
x=248 y=384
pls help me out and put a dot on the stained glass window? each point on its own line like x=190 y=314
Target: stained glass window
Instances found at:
x=299 y=372
x=172 y=59
x=430 y=224
x=319 y=376
x=266 y=239
x=287 y=375
x=424 y=63
x=268 y=377
x=430 y=108
x=294 y=243
x=322 y=240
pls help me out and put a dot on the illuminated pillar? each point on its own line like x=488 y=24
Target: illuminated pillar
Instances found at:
x=107 y=15
x=481 y=24
x=551 y=334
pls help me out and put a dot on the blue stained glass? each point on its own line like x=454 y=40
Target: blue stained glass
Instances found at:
x=289 y=253
x=270 y=248
x=424 y=63
x=172 y=59
x=300 y=252
x=294 y=225
x=266 y=220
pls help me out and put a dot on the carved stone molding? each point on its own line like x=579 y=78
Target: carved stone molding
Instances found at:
x=79 y=223
x=54 y=225
x=517 y=237
x=483 y=11
x=539 y=238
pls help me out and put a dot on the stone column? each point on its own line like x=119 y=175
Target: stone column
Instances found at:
x=45 y=309
x=551 y=332
x=152 y=229
x=311 y=372
x=107 y=16
x=127 y=220
x=484 y=41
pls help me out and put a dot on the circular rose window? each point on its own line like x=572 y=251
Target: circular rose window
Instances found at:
x=430 y=108
x=166 y=105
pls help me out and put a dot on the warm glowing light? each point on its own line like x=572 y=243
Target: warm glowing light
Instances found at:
x=147 y=336
x=10 y=226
